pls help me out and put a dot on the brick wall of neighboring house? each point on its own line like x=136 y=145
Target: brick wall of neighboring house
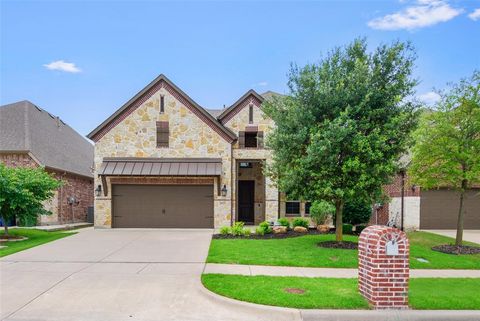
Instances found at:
x=17 y=160
x=79 y=187
x=394 y=192
x=74 y=185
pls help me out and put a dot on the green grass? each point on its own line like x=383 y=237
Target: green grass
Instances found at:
x=35 y=238
x=331 y=293
x=303 y=251
x=321 y=293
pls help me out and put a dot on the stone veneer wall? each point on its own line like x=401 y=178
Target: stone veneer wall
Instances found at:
x=135 y=136
x=238 y=123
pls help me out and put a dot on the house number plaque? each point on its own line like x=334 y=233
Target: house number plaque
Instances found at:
x=392 y=247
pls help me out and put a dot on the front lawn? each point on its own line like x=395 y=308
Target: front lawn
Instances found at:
x=303 y=251
x=331 y=293
x=35 y=237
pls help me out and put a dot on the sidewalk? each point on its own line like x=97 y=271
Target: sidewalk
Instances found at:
x=59 y=227
x=325 y=272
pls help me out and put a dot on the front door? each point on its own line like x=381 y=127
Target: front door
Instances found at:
x=246 y=197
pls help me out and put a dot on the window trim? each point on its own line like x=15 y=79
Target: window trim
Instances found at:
x=292 y=214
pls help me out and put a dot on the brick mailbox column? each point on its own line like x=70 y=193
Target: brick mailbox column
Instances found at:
x=383 y=270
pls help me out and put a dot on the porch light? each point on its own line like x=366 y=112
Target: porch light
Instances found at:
x=98 y=190
x=224 y=190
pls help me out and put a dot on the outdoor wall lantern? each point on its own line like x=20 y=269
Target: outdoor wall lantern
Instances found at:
x=224 y=190
x=98 y=190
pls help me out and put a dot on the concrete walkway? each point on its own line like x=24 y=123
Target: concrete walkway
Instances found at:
x=468 y=235
x=325 y=272
x=58 y=227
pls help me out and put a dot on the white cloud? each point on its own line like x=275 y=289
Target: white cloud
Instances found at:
x=262 y=84
x=423 y=14
x=475 y=15
x=429 y=98
x=62 y=66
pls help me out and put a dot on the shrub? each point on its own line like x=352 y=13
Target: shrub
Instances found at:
x=260 y=231
x=265 y=227
x=246 y=232
x=224 y=230
x=360 y=228
x=284 y=222
x=320 y=210
x=357 y=211
x=237 y=228
x=347 y=228
x=300 y=222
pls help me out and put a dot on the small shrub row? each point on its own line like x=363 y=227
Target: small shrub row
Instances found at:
x=237 y=230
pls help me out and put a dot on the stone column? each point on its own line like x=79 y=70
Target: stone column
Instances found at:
x=383 y=270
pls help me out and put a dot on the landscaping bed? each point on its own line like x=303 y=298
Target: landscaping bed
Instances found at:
x=269 y=236
x=32 y=238
x=456 y=250
x=304 y=251
x=335 y=293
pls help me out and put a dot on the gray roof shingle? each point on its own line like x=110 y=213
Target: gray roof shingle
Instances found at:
x=25 y=127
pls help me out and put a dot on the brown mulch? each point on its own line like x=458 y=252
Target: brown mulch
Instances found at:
x=6 y=238
x=345 y=245
x=456 y=250
x=290 y=233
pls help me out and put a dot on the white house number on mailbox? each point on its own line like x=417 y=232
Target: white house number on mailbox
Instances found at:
x=392 y=247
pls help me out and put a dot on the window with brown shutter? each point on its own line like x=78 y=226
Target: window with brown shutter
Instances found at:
x=163 y=133
x=241 y=139
x=260 y=140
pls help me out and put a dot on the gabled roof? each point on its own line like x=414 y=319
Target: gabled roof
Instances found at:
x=26 y=128
x=146 y=93
x=250 y=96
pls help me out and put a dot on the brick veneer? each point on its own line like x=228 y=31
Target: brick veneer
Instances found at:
x=383 y=279
x=74 y=185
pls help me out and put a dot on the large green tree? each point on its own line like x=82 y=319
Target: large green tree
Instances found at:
x=344 y=124
x=447 y=148
x=22 y=192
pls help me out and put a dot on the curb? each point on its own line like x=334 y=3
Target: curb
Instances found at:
x=259 y=310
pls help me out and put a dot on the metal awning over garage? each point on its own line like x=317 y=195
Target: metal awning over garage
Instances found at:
x=134 y=166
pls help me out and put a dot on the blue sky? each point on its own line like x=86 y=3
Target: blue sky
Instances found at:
x=83 y=60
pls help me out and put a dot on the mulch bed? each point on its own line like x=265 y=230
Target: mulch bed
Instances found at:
x=345 y=245
x=456 y=250
x=290 y=233
x=11 y=238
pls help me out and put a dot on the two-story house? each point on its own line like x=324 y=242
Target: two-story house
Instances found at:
x=162 y=160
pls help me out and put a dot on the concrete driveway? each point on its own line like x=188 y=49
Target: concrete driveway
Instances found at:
x=468 y=235
x=117 y=275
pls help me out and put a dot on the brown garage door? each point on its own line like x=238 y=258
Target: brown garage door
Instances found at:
x=439 y=209
x=151 y=206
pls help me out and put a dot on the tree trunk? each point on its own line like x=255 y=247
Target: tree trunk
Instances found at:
x=5 y=225
x=339 y=220
x=459 y=237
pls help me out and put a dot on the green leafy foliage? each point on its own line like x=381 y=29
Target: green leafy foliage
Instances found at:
x=225 y=230
x=447 y=149
x=298 y=221
x=357 y=211
x=264 y=228
x=237 y=229
x=320 y=210
x=284 y=222
x=23 y=191
x=344 y=125
x=348 y=229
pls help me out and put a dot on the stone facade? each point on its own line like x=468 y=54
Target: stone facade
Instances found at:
x=74 y=185
x=239 y=122
x=190 y=136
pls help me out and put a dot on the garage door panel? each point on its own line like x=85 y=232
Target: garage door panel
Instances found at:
x=439 y=209
x=154 y=206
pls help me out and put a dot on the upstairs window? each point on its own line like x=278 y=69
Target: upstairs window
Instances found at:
x=250 y=139
x=163 y=133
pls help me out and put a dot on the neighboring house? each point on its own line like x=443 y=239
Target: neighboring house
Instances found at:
x=427 y=209
x=31 y=137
